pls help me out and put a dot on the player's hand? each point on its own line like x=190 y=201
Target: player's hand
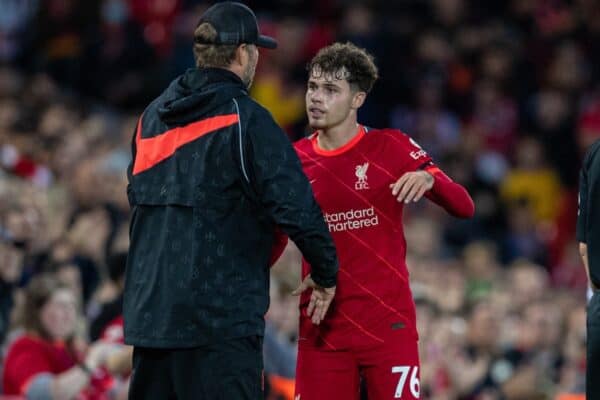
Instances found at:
x=320 y=299
x=412 y=186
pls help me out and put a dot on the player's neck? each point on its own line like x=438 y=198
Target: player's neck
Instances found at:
x=335 y=137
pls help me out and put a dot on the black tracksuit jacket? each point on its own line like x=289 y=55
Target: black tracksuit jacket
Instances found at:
x=212 y=176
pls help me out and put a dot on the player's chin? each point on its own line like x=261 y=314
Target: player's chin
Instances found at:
x=317 y=123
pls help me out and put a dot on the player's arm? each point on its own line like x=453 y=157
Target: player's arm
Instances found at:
x=285 y=193
x=582 y=215
x=433 y=183
x=419 y=177
x=453 y=197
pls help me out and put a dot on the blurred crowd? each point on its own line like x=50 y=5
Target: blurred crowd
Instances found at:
x=504 y=94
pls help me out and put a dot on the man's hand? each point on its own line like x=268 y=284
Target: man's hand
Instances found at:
x=412 y=186
x=320 y=299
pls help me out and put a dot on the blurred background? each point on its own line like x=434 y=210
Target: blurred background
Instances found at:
x=504 y=94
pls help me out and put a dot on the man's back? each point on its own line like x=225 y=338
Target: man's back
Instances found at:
x=588 y=234
x=588 y=224
x=211 y=178
x=185 y=275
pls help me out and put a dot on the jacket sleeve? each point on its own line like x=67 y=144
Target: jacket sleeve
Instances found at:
x=283 y=190
x=582 y=211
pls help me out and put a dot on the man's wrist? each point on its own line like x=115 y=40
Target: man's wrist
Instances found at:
x=324 y=283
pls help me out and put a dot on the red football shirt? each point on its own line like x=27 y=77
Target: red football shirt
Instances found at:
x=351 y=184
x=29 y=356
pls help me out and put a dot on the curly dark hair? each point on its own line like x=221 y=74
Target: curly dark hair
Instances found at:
x=345 y=61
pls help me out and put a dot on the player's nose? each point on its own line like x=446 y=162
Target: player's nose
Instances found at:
x=315 y=96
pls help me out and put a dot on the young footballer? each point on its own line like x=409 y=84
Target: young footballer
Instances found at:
x=362 y=178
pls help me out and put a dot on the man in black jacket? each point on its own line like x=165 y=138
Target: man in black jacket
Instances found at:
x=212 y=177
x=588 y=235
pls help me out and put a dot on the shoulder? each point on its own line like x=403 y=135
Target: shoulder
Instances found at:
x=384 y=133
x=591 y=154
x=26 y=348
x=256 y=119
x=394 y=137
x=303 y=144
x=253 y=109
x=26 y=343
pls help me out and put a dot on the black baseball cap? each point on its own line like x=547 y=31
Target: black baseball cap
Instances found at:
x=235 y=23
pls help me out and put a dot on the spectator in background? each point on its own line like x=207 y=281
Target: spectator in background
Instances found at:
x=16 y=14
x=10 y=272
x=471 y=372
x=494 y=121
x=588 y=123
x=532 y=193
x=275 y=86
x=433 y=127
x=119 y=65
x=549 y=116
x=482 y=268
x=48 y=361
x=109 y=301
x=61 y=38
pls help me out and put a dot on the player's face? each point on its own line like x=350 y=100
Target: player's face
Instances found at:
x=329 y=99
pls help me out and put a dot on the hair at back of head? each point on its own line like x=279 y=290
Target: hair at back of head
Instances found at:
x=211 y=55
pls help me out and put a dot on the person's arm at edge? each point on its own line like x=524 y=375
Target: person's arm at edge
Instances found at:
x=583 y=252
x=582 y=220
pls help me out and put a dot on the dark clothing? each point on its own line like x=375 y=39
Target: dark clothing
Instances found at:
x=588 y=231
x=230 y=370
x=588 y=221
x=592 y=385
x=212 y=176
x=108 y=312
x=6 y=305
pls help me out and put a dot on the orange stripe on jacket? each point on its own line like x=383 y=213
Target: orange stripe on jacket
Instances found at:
x=151 y=151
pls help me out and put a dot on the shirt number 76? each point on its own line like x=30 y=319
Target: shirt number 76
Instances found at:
x=404 y=371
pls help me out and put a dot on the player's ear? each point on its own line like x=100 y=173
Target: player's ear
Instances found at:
x=358 y=99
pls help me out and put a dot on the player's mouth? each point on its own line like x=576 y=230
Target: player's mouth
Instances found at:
x=315 y=112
